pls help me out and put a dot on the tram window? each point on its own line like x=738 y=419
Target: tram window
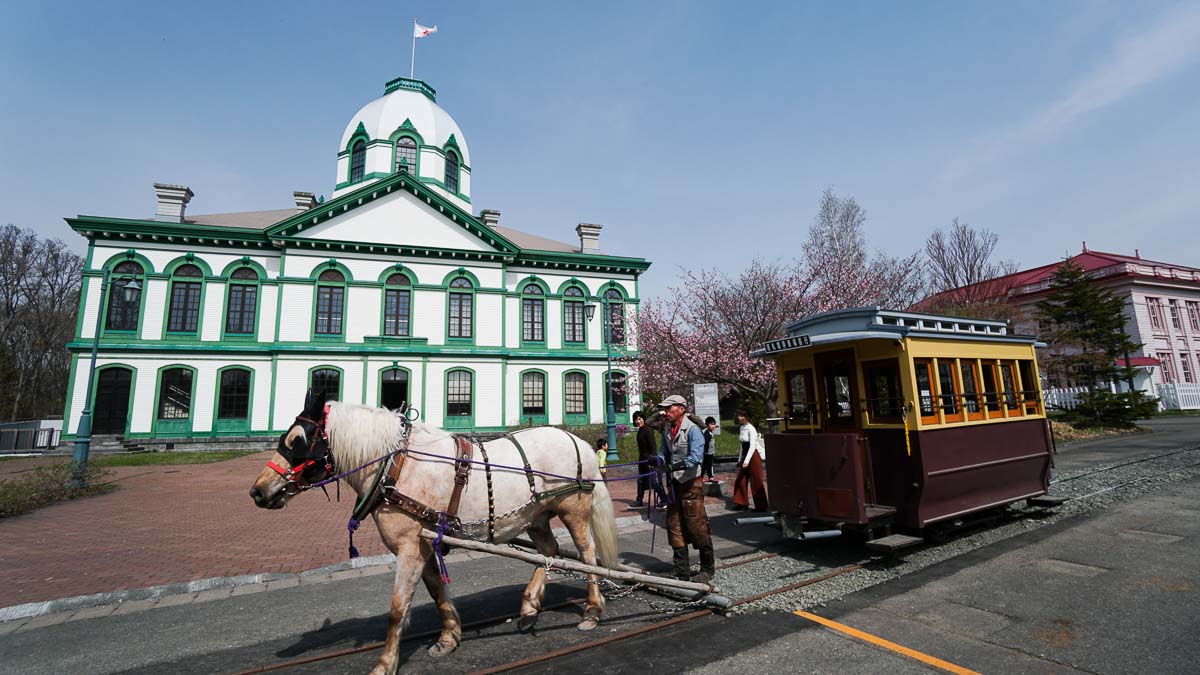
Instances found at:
x=972 y=403
x=990 y=395
x=925 y=391
x=1010 y=389
x=1029 y=386
x=948 y=390
x=884 y=396
x=801 y=406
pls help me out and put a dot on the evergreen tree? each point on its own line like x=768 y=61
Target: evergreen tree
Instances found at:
x=1087 y=345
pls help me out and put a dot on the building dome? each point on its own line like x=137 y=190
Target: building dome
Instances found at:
x=407 y=114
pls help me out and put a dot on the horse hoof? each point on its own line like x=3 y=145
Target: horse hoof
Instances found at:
x=588 y=624
x=440 y=649
x=527 y=622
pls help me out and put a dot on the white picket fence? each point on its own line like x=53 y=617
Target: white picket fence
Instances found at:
x=1063 y=398
x=1179 y=396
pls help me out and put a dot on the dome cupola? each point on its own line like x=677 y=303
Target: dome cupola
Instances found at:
x=405 y=130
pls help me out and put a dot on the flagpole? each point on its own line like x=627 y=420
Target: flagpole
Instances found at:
x=413 y=64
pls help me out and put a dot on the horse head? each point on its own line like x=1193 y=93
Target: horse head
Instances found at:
x=301 y=458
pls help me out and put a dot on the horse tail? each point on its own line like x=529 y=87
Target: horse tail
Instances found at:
x=603 y=525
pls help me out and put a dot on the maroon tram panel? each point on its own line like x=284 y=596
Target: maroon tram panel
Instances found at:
x=818 y=476
x=970 y=468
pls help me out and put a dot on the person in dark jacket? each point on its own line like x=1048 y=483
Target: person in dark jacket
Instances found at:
x=647 y=449
x=710 y=450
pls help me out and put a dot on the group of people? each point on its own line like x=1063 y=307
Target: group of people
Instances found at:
x=687 y=450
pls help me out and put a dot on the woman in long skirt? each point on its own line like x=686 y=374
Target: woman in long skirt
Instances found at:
x=750 y=479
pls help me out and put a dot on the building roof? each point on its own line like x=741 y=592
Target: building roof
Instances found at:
x=1098 y=264
x=1135 y=361
x=533 y=241
x=256 y=220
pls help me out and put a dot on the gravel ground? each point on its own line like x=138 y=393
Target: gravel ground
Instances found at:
x=1087 y=490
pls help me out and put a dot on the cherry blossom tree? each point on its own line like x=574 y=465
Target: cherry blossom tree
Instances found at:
x=706 y=328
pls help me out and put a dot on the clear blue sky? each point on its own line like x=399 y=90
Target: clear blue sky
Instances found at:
x=697 y=132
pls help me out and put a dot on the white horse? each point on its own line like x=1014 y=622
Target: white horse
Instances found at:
x=345 y=436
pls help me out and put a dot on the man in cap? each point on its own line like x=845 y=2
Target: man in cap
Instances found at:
x=683 y=453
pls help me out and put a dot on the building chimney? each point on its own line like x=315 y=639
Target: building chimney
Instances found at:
x=304 y=200
x=172 y=201
x=589 y=237
x=1137 y=254
x=1085 y=247
x=490 y=217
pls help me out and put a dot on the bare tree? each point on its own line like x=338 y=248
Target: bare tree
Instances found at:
x=845 y=273
x=960 y=265
x=39 y=298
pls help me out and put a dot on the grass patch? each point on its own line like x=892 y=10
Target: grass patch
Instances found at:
x=166 y=458
x=46 y=485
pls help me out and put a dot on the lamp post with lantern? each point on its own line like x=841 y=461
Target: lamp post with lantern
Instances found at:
x=610 y=412
x=83 y=435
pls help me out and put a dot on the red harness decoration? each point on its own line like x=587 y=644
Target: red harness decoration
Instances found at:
x=295 y=474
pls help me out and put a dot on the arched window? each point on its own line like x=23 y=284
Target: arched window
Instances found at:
x=618 y=391
x=242 y=309
x=124 y=306
x=575 y=409
x=358 y=161
x=451 y=180
x=233 y=402
x=183 y=315
x=331 y=296
x=328 y=380
x=174 y=396
x=573 y=316
x=406 y=155
x=462 y=301
x=533 y=314
x=616 y=316
x=533 y=397
x=397 y=306
x=460 y=399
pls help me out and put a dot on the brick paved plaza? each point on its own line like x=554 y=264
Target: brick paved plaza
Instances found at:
x=169 y=524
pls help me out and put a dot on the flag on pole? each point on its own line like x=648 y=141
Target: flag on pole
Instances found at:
x=420 y=31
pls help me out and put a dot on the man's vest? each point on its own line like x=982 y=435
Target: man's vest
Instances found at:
x=679 y=449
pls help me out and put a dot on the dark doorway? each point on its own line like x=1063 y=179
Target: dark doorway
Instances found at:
x=112 y=401
x=393 y=389
x=838 y=390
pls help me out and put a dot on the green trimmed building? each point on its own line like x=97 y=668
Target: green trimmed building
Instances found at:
x=391 y=291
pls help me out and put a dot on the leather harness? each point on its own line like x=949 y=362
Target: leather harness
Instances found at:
x=464 y=445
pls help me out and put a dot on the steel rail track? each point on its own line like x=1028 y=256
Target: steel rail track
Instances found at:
x=660 y=625
x=1141 y=460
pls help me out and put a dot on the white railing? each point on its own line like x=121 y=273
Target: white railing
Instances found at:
x=1179 y=396
x=1063 y=398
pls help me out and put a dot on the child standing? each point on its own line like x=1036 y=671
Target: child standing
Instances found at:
x=602 y=455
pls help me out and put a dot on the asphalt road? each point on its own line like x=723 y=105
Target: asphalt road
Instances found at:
x=1088 y=593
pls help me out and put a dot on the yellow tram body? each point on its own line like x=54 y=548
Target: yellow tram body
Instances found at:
x=904 y=417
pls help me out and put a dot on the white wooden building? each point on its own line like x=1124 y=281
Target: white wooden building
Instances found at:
x=392 y=290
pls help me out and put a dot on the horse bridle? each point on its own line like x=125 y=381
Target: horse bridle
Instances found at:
x=318 y=446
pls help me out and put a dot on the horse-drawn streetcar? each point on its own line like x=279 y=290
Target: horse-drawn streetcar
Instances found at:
x=903 y=418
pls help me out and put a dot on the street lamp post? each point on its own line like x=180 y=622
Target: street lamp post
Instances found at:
x=83 y=434
x=610 y=410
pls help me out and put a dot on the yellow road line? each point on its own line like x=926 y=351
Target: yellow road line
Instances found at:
x=900 y=649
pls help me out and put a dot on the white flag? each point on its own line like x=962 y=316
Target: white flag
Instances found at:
x=422 y=31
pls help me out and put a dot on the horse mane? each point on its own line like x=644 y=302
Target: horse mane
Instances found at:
x=359 y=433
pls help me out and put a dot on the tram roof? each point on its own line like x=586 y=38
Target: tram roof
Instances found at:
x=866 y=323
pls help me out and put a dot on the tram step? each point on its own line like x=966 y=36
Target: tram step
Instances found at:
x=1045 y=500
x=893 y=543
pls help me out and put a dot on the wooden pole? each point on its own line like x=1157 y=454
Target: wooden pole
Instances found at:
x=571 y=565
